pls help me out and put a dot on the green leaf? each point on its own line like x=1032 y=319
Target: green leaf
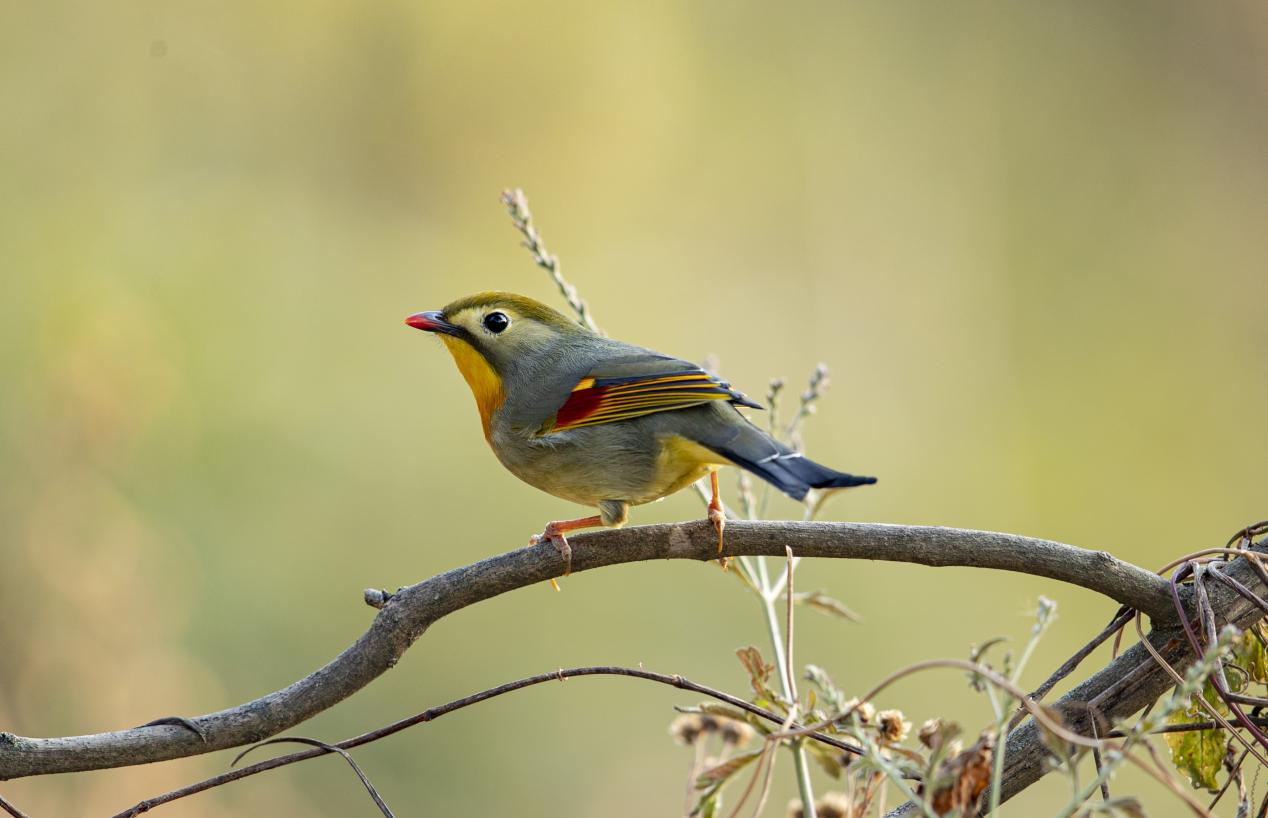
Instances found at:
x=824 y=604
x=820 y=679
x=1250 y=656
x=728 y=768
x=710 y=801
x=1199 y=754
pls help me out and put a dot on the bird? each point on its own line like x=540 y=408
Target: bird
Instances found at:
x=604 y=423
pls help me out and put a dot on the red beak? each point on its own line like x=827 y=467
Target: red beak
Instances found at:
x=431 y=321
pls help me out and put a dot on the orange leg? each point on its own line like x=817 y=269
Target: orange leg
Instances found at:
x=555 y=533
x=716 y=515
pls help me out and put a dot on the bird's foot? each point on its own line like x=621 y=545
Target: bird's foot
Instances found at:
x=178 y=721
x=555 y=533
x=556 y=536
x=717 y=516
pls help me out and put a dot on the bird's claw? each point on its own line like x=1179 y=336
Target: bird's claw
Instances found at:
x=560 y=541
x=718 y=518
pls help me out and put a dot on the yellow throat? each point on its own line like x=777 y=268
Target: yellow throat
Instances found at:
x=485 y=384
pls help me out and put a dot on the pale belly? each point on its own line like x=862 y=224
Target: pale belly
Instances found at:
x=588 y=466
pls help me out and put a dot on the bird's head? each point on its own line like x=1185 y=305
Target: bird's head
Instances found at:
x=492 y=335
x=500 y=327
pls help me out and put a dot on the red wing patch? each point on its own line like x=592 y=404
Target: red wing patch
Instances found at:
x=605 y=400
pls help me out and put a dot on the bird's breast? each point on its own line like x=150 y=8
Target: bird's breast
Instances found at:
x=486 y=385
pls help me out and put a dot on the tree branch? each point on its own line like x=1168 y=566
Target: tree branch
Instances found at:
x=408 y=613
x=1128 y=683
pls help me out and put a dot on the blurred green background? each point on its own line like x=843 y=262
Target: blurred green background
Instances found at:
x=1028 y=238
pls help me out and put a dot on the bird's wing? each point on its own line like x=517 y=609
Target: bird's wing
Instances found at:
x=640 y=384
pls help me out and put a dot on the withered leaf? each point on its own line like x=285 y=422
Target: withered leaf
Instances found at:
x=968 y=774
x=824 y=604
x=759 y=671
x=720 y=773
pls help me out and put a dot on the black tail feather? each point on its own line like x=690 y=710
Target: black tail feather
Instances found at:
x=795 y=474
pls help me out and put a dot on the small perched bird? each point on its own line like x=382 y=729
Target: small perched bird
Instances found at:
x=604 y=423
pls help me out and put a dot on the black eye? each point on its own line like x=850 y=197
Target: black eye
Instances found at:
x=495 y=322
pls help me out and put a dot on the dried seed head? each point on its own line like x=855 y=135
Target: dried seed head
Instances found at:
x=795 y=810
x=833 y=805
x=935 y=733
x=736 y=733
x=686 y=728
x=893 y=727
x=865 y=712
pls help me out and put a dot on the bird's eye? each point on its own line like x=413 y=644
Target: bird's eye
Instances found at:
x=495 y=322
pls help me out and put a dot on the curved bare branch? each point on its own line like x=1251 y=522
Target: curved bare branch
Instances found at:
x=412 y=610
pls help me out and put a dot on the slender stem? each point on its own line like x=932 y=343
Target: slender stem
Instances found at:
x=874 y=755
x=1116 y=624
x=772 y=628
x=787 y=686
x=11 y=810
x=1112 y=759
x=517 y=206
x=1043 y=617
x=997 y=762
x=799 y=754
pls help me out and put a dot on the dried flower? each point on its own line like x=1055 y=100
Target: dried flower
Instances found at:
x=686 y=728
x=690 y=727
x=864 y=710
x=964 y=776
x=834 y=805
x=935 y=733
x=795 y=810
x=736 y=733
x=893 y=727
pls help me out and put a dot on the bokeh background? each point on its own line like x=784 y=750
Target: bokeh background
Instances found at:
x=1028 y=238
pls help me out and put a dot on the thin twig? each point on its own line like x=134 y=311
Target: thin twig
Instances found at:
x=517 y=206
x=1096 y=759
x=1115 y=625
x=1200 y=700
x=1236 y=767
x=768 y=752
x=1188 y=727
x=987 y=673
x=12 y=810
x=330 y=748
x=458 y=704
x=806 y=405
x=1217 y=679
x=1170 y=783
